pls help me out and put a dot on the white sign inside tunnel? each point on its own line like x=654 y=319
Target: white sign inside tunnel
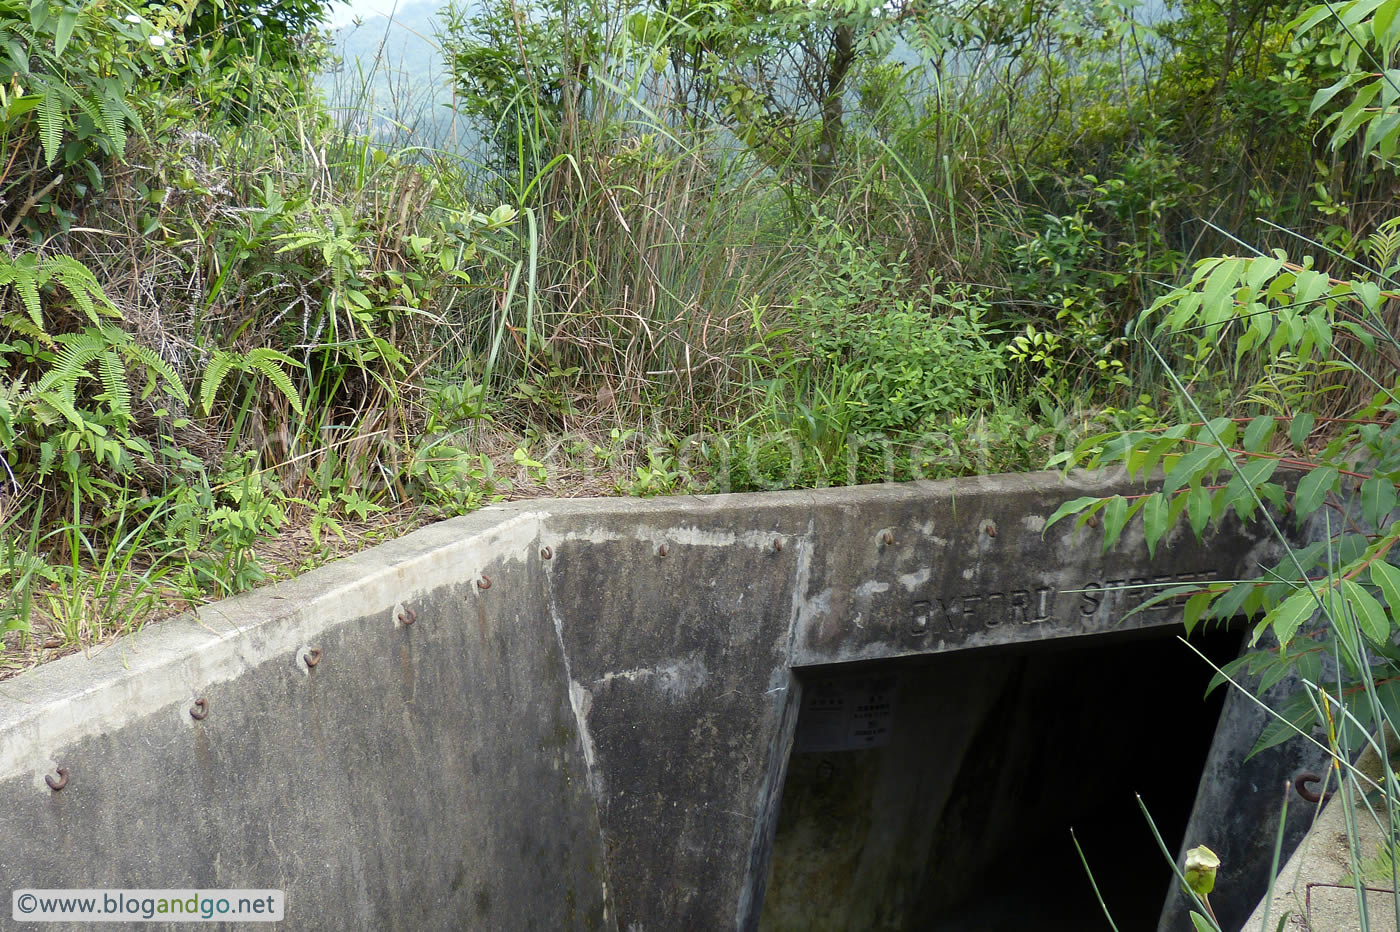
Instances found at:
x=846 y=713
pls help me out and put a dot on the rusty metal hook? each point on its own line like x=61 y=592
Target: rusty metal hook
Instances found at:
x=887 y=538
x=1300 y=783
x=313 y=656
x=546 y=553
x=408 y=616
x=484 y=582
x=200 y=709
x=663 y=550
x=60 y=783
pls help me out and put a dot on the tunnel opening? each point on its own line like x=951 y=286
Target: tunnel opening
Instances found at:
x=940 y=792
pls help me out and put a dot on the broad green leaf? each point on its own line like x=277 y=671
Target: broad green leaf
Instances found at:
x=1228 y=672
x=1301 y=429
x=1369 y=293
x=1239 y=493
x=1310 y=285
x=1188 y=468
x=1288 y=617
x=1387 y=579
x=1261 y=270
x=1201 y=923
x=1115 y=515
x=1369 y=614
x=1218 y=298
x=1177 y=509
x=1072 y=508
x=1198 y=508
x=1216 y=431
x=1257 y=434
x=1377 y=500
x=63 y=32
x=1325 y=95
x=1297 y=714
x=1312 y=490
x=1230 y=603
x=1154 y=520
x=1195 y=608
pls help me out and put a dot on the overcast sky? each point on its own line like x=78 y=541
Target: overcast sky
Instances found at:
x=342 y=14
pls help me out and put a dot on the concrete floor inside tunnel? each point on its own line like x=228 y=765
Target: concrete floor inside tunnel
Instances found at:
x=939 y=793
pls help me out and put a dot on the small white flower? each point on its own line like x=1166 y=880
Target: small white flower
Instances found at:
x=158 y=39
x=132 y=18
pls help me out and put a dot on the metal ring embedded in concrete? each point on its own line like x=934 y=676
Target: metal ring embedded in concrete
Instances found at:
x=1300 y=783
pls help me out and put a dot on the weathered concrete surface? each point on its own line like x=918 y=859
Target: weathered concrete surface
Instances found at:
x=1237 y=808
x=977 y=568
x=598 y=739
x=419 y=777
x=1315 y=889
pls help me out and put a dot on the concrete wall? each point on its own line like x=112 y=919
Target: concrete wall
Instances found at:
x=586 y=724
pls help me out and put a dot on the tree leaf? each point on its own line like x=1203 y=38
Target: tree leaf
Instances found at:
x=1369 y=614
x=1288 y=617
x=1190 y=467
x=1301 y=429
x=1377 y=500
x=1257 y=434
x=1198 y=508
x=1072 y=508
x=1312 y=490
x=1387 y=578
x=67 y=20
x=1196 y=607
x=1115 y=516
x=1154 y=520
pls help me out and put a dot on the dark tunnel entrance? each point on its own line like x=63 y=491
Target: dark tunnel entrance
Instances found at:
x=939 y=792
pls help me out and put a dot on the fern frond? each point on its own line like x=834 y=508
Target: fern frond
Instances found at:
x=113 y=123
x=269 y=362
x=214 y=374
x=50 y=403
x=27 y=284
x=114 y=386
x=51 y=117
x=70 y=364
x=155 y=366
x=25 y=327
x=82 y=285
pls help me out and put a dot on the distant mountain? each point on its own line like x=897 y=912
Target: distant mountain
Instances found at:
x=391 y=78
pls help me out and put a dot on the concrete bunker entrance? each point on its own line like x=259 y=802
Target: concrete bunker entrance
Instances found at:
x=603 y=697
x=939 y=791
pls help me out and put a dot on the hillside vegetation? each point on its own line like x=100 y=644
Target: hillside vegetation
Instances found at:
x=700 y=246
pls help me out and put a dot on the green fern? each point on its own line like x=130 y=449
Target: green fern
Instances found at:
x=1383 y=245
x=23 y=275
x=28 y=275
x=263 y=360
x=52 y=114
x=115 y=390
x=149 y=360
